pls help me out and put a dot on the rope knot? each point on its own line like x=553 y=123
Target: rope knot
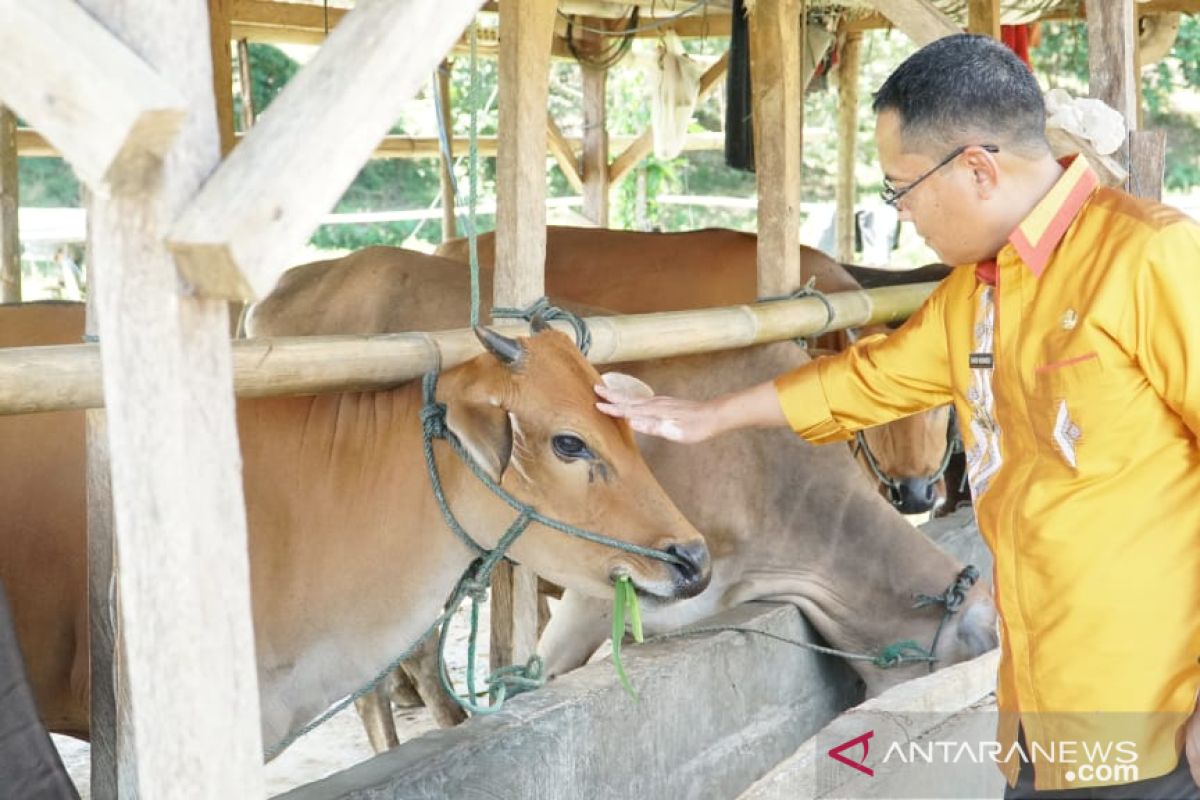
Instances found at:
x=433 y=420
x=955 y=595
x=809 y=289
x=513 y=680
x=901 y=652
x=542 y=309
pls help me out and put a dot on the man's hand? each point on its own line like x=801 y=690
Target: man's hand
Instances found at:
x=1191 y=742
x=694 y=421
x=686 y=421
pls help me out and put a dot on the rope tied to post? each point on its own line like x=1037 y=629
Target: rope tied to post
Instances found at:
x=543 y=310
x=809 y=289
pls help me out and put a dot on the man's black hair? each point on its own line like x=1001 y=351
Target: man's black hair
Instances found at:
x=960 y=88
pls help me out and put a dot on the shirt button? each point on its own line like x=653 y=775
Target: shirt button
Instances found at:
x=1069 y=319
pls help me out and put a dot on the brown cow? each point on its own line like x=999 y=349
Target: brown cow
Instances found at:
x=798 y=523
x=631 y=272
x=350 y=559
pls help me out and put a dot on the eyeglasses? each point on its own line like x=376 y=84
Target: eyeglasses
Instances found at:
x=891 y=195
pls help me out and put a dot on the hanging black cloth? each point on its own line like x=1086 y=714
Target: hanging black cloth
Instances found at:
x=30 y=768
x=739 y=118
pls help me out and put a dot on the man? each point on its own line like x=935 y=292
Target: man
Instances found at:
x=1068 y=346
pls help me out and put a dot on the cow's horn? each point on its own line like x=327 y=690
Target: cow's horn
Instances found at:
x=538 y=323
x=509 y=351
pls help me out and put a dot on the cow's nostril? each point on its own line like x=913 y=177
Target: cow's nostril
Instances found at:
x=692 y=560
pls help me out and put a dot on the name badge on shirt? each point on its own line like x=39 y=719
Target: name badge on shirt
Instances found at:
x=981 y=361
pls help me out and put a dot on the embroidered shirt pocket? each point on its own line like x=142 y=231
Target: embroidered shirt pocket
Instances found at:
x=1061 y=387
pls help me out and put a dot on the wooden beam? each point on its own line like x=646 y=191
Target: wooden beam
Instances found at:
x=93 y=96
x=848 y=75
x=640 y=147
x=983 y=17
x=564 y=153
x=526 y=34
x=1112 y=61
x=1147 y=163
x=35 y=379
x=234 y=238
x=595 y=146
x=31 y=144
x=10 y=235
x=183 y=576
x=776 y=43
x=920 y=20
x=449 y=201
x=222 y=70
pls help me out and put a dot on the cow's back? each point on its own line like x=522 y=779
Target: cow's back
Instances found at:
x=686 y=270
x=44 y=507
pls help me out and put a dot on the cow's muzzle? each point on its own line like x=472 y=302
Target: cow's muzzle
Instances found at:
x=692 y=569
x=914 y=495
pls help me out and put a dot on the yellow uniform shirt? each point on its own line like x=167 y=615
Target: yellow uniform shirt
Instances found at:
x=1076 y=377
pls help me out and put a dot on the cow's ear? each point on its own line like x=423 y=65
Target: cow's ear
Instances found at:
x=627 y=385
x=486 y=433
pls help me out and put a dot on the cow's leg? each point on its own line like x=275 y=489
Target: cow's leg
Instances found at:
x=402 y=690
x=29 y=764
x=375 y=711
x=421 y=668
x=578 y=626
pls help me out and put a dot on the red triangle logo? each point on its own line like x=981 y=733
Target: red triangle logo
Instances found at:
x=860 y=765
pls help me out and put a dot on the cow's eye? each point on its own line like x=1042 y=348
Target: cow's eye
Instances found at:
x=569 y=447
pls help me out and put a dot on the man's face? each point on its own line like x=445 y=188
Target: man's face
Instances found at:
x=944 y=206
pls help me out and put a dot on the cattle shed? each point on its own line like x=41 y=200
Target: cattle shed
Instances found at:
x=185 y=217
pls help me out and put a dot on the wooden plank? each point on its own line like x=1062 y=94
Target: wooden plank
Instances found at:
x=640 y=147
x=34 y=379
x=920 y=20
x=595 y=146
x=106 y=730
x=526 y=33
x=563 y=152
x=1112 y=61
x=848 y=75
x=1147 y=163
x=234 y=239
x=222 y=61
x=93 y=96
x=10 y=235
x=183 y=576
x=246 y=84
x=983 y=17
x=449 y=201
x=776 y=43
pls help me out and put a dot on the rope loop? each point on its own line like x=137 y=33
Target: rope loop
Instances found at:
x=902 y=652
x=809 y=289
x=542 y=309
x=955 y=595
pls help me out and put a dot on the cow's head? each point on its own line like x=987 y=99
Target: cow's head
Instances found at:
x=526 y=411
x=909 y=456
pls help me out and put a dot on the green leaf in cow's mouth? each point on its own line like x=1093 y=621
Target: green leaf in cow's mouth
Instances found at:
x=625 y=600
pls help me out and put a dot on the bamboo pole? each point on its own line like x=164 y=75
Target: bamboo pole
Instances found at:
x=446 y=160
x=60 y=377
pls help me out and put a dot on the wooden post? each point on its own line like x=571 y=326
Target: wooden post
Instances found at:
x=983 y=17
x=526 y=34
x=595 y=145
x=222 y=70
x=246 y=81
x=1112 y=60
x=449 y=201
x=183 y=574
x=10 y=237
x=1147 y=162
x=776 y=40
x=848 y=67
